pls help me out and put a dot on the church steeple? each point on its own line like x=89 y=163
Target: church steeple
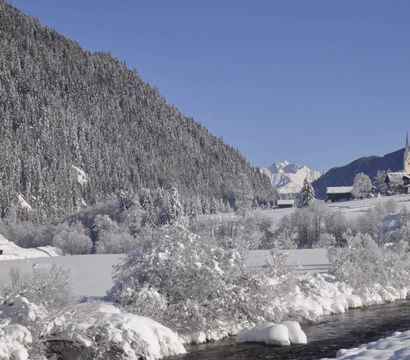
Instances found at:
x=406 y=158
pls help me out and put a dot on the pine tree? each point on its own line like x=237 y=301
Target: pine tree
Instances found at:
x=307 y=194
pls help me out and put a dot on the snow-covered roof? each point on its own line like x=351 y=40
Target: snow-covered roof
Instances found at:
x=286 y=202
x=339 y=189
x=397 y=175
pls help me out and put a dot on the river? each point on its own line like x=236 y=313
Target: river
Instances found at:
x=355 y=327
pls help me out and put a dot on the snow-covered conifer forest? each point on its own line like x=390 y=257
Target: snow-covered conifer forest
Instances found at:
x=169 y=236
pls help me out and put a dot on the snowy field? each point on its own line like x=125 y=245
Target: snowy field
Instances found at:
x=91 y=274
x=351 y=209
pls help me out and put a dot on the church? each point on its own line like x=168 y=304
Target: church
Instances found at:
x=399 y=182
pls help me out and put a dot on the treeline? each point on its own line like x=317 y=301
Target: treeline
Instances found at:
x=63 y=108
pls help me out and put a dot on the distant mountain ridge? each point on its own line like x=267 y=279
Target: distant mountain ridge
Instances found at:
x=344 y=175
x=287 y=178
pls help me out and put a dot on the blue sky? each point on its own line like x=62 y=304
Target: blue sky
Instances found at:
x=315 y=82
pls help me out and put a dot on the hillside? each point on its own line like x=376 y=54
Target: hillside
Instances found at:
x=77 y=126
x=344 y=175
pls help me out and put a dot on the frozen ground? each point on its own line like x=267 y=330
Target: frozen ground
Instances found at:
x=91 y=274
x=395 y=347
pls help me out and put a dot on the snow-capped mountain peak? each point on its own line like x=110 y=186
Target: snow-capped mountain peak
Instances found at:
x=288 y=177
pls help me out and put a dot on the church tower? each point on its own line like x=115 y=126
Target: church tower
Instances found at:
x=406 y=159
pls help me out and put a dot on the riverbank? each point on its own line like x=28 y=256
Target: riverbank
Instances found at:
x=325 y=338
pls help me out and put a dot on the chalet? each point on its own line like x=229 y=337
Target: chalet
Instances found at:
x=339 y=193
x=285 y=204
x=399 y=182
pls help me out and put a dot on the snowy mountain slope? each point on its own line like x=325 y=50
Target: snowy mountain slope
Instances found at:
x=288 y=177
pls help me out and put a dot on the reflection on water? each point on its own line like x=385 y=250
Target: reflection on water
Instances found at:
x=334 y=332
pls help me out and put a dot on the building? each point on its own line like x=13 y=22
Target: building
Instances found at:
x=399 y=181
x=285 y=203
x=339 y=193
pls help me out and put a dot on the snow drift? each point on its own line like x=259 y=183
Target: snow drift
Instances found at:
x=395 y=347
x=285 y=333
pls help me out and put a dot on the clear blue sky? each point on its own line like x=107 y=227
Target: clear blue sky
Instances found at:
x=315 y=82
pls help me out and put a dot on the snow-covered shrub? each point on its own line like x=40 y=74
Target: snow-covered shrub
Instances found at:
x=114 y=238
x=28 y=304
x=14 y=340
x=307 y=223
x=195 y=283
x=49 y=287
x=388 y=206
x=373 y=221
x=363 y=263
x=72 y=239
x=326 y=241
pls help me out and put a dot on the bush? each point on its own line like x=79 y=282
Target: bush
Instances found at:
x=49 y=287
x=194 y=283
x=72 y=239
x=363 y=263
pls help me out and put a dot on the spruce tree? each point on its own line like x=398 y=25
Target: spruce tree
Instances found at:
x=307 y=194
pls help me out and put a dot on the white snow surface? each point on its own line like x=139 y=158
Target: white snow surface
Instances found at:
x=82 y=177
x=23 y=203
x=135 y=336
x=319 y=294
x=13 y=341
x=288 y=177
x=285 y=333
x=14 y=335
x=12 y=252
x=395 y=347
x=91 y=274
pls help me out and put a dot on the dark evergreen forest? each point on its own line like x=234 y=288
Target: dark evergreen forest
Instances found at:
x=62 y=107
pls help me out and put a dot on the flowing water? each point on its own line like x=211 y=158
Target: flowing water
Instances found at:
x=334 y=332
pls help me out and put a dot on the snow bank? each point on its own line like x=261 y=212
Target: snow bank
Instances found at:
x=11 y=251
x=98 y=325
x=394 y=347
x=13 y=339
x=318 y=294
x=285 y=333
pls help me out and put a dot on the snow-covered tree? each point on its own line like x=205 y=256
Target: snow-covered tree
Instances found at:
x=307 y=194
x=404 y=218
x=363 y=263
x=175 y=208
x=72 y=239
x=243 y=196
x=362 y=186
x=379 y=181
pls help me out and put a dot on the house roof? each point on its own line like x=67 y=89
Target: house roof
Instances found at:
x=397 y=176
x=286 y=202
x=339 y=189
